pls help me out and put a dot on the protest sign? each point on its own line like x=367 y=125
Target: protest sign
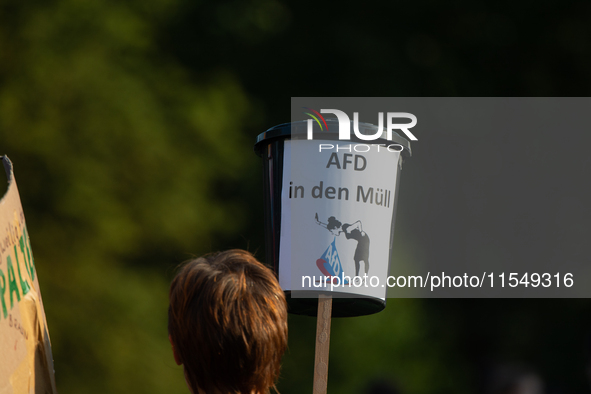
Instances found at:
x=26 y=362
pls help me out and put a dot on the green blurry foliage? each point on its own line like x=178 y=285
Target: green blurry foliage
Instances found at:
x=123 y=159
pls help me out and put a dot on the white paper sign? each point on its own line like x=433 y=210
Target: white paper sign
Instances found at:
x=338 y=201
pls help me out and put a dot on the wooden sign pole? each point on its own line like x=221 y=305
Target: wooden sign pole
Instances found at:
x=322 y=344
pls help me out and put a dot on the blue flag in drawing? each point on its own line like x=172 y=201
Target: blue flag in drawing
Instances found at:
x=330 y=263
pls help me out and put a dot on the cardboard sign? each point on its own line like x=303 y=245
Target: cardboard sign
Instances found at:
x=26 y=362
x=337 y=219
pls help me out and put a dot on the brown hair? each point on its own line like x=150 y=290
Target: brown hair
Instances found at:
x=228 y=323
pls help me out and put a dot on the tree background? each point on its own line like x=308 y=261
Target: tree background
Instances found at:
x=131 y=126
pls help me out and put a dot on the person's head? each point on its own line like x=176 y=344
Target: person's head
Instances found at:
x=227 y=322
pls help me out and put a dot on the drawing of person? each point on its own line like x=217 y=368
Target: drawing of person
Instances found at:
x=355 y=231
x=352 y=231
